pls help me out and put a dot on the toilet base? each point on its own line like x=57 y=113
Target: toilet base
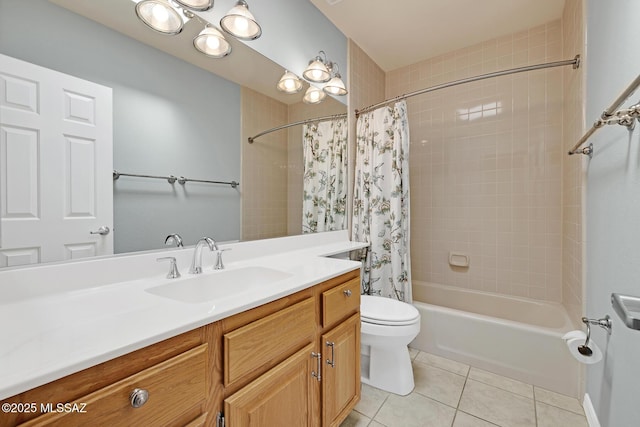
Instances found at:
x=387 y=368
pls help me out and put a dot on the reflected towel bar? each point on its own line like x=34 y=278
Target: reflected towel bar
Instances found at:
x=172 y=179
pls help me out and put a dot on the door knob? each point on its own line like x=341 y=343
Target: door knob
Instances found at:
x=103 y=231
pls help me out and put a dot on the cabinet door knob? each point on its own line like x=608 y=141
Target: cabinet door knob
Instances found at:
x=347 y=292
x=138 y=397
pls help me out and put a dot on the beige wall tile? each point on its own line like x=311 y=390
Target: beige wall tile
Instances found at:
x=486 y=161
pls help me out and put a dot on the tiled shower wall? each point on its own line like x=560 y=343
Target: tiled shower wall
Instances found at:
x=264 y=167
x=272 y=166
x=486 y=174
x=573 y=167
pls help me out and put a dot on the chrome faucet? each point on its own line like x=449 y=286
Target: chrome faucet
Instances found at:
x=173 y=238
x=196 y=263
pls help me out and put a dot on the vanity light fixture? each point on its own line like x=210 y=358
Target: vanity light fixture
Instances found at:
x=313 y=95
x=212 y=43
x=321 y=70
x=197 y=5
x=160 y=16
x=335 y=86
x=240 y=23
x=317 y=71
x=289 y=83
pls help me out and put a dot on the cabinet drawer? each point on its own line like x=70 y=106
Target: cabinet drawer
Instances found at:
x=268 y=341
x=340 y=302
x=174 y=386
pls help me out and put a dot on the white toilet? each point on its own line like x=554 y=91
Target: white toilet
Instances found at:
x=387 y=328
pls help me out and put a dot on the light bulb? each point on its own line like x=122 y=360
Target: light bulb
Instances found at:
x=160 y=14
x=213 y=43
x=241 y=24
x=289 y=84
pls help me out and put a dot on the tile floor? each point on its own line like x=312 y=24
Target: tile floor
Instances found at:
x=452 y=394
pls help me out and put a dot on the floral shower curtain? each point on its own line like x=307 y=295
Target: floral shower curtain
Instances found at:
x=381 y=201
x=324 y=199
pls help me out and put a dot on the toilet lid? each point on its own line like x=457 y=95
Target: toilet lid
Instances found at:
x=386 y=311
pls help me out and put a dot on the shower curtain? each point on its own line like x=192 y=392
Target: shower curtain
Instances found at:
x=381 y=201
x=324 y=199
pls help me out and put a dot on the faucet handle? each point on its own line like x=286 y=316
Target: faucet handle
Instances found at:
x=219 y=265
x=173 y=267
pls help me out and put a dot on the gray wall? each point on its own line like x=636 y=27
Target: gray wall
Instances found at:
x=613 y=210
x=169 y=118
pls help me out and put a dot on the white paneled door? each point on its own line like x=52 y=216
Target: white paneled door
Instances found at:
x=56 y=164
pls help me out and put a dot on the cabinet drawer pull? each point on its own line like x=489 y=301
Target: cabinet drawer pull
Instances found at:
x=317 y=375
x=347 y=292
x=332 y=361
x=138 y=397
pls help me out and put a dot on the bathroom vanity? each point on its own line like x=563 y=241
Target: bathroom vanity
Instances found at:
x=292 y=358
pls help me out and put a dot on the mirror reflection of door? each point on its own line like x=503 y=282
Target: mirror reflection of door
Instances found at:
x=56 y=150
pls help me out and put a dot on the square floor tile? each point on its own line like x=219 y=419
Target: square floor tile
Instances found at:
x=550 y=416
x=438 y=384
x=514 y=386
x=558 y=400
x=414 y=410
x=466 y=420
x=371 y=399
x=497 y=405
x=355 y=419
x=443 y=363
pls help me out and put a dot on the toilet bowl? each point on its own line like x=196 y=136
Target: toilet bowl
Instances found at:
x=387 y=328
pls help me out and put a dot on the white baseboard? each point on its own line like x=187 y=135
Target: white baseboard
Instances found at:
x=590 y=412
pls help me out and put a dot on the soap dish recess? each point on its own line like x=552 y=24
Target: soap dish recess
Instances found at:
x=628 y=308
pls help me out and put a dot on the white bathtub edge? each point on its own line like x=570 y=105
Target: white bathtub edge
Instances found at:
x=445 y=332
x=590 y=412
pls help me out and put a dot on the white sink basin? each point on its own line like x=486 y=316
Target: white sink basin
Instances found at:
x=217 y=285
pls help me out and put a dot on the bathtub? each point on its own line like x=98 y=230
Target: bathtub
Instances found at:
x=515 y=337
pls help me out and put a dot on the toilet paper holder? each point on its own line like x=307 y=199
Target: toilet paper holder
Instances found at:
x=604 y=323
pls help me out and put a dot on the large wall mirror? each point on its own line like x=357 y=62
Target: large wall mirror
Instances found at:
x=175 y=112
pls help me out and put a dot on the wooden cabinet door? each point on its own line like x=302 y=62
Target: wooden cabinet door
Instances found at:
x=282 y=396
x=341 y=371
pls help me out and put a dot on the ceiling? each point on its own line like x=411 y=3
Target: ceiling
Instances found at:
x=396 y=34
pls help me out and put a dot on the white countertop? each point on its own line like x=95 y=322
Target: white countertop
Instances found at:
x=49 y=335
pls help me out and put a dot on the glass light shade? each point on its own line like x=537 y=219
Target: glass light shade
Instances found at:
x=240 y=23
x=317 y=72
x=289 y=83
x=159 y=16
x=199 y=5
x=335 y=86
x=313 y=95
x=212 y=43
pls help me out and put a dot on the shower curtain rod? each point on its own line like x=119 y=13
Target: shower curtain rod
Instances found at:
x=301 y=122
x=575 y=62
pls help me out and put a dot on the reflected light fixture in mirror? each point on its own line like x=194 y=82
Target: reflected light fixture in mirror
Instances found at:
x=212 y=43
x=240 y=23
x=317 y=71
x=313 y=95
x=197 y=5
x=289 y=83
x=160 y=16
x=335 y=86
